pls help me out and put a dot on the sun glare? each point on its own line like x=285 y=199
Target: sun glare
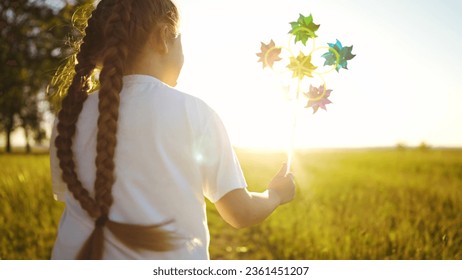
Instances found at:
x=380 y=101
x=255 y=104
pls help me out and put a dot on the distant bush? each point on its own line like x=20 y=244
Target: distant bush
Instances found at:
x=401 y=146
x=424 y=146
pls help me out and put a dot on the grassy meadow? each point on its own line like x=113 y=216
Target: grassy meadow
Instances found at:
x=350 y=204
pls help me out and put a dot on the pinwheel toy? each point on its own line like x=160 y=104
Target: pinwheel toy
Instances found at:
x=304 y=71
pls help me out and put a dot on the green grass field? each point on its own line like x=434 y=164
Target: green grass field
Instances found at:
x=350 y=204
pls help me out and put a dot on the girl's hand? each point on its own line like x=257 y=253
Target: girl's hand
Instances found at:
x=282 y=185
x=241 y=208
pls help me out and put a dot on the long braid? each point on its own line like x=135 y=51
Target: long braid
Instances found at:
x=108 y=106
x=111 y=84
x=71 y=107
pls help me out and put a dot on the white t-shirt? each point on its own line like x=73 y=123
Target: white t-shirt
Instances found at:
x=172 y=150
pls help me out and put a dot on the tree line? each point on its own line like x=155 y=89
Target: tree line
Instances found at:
x=33 y=36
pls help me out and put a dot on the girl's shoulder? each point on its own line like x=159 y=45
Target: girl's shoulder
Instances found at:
x=193 y=104
x=198 y=111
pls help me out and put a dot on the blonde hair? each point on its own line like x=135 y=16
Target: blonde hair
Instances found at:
x=115 y=29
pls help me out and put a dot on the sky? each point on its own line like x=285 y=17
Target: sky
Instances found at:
x=404 y=85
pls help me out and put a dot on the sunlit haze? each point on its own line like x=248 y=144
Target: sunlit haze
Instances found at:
x=403 y=86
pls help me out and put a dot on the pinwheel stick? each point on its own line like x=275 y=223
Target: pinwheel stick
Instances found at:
x=290 y=149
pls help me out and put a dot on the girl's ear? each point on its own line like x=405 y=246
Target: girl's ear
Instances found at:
x=161 y=39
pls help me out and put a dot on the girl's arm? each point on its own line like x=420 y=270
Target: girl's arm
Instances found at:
x=241 y=208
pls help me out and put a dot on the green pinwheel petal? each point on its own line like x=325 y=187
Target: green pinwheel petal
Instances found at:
x=303 y=29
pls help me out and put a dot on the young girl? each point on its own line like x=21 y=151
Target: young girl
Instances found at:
x=134 y=160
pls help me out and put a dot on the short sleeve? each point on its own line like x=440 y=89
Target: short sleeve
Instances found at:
x=221 y=169
x=58 y=185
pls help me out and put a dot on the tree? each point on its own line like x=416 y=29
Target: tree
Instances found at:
x=31 y=48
